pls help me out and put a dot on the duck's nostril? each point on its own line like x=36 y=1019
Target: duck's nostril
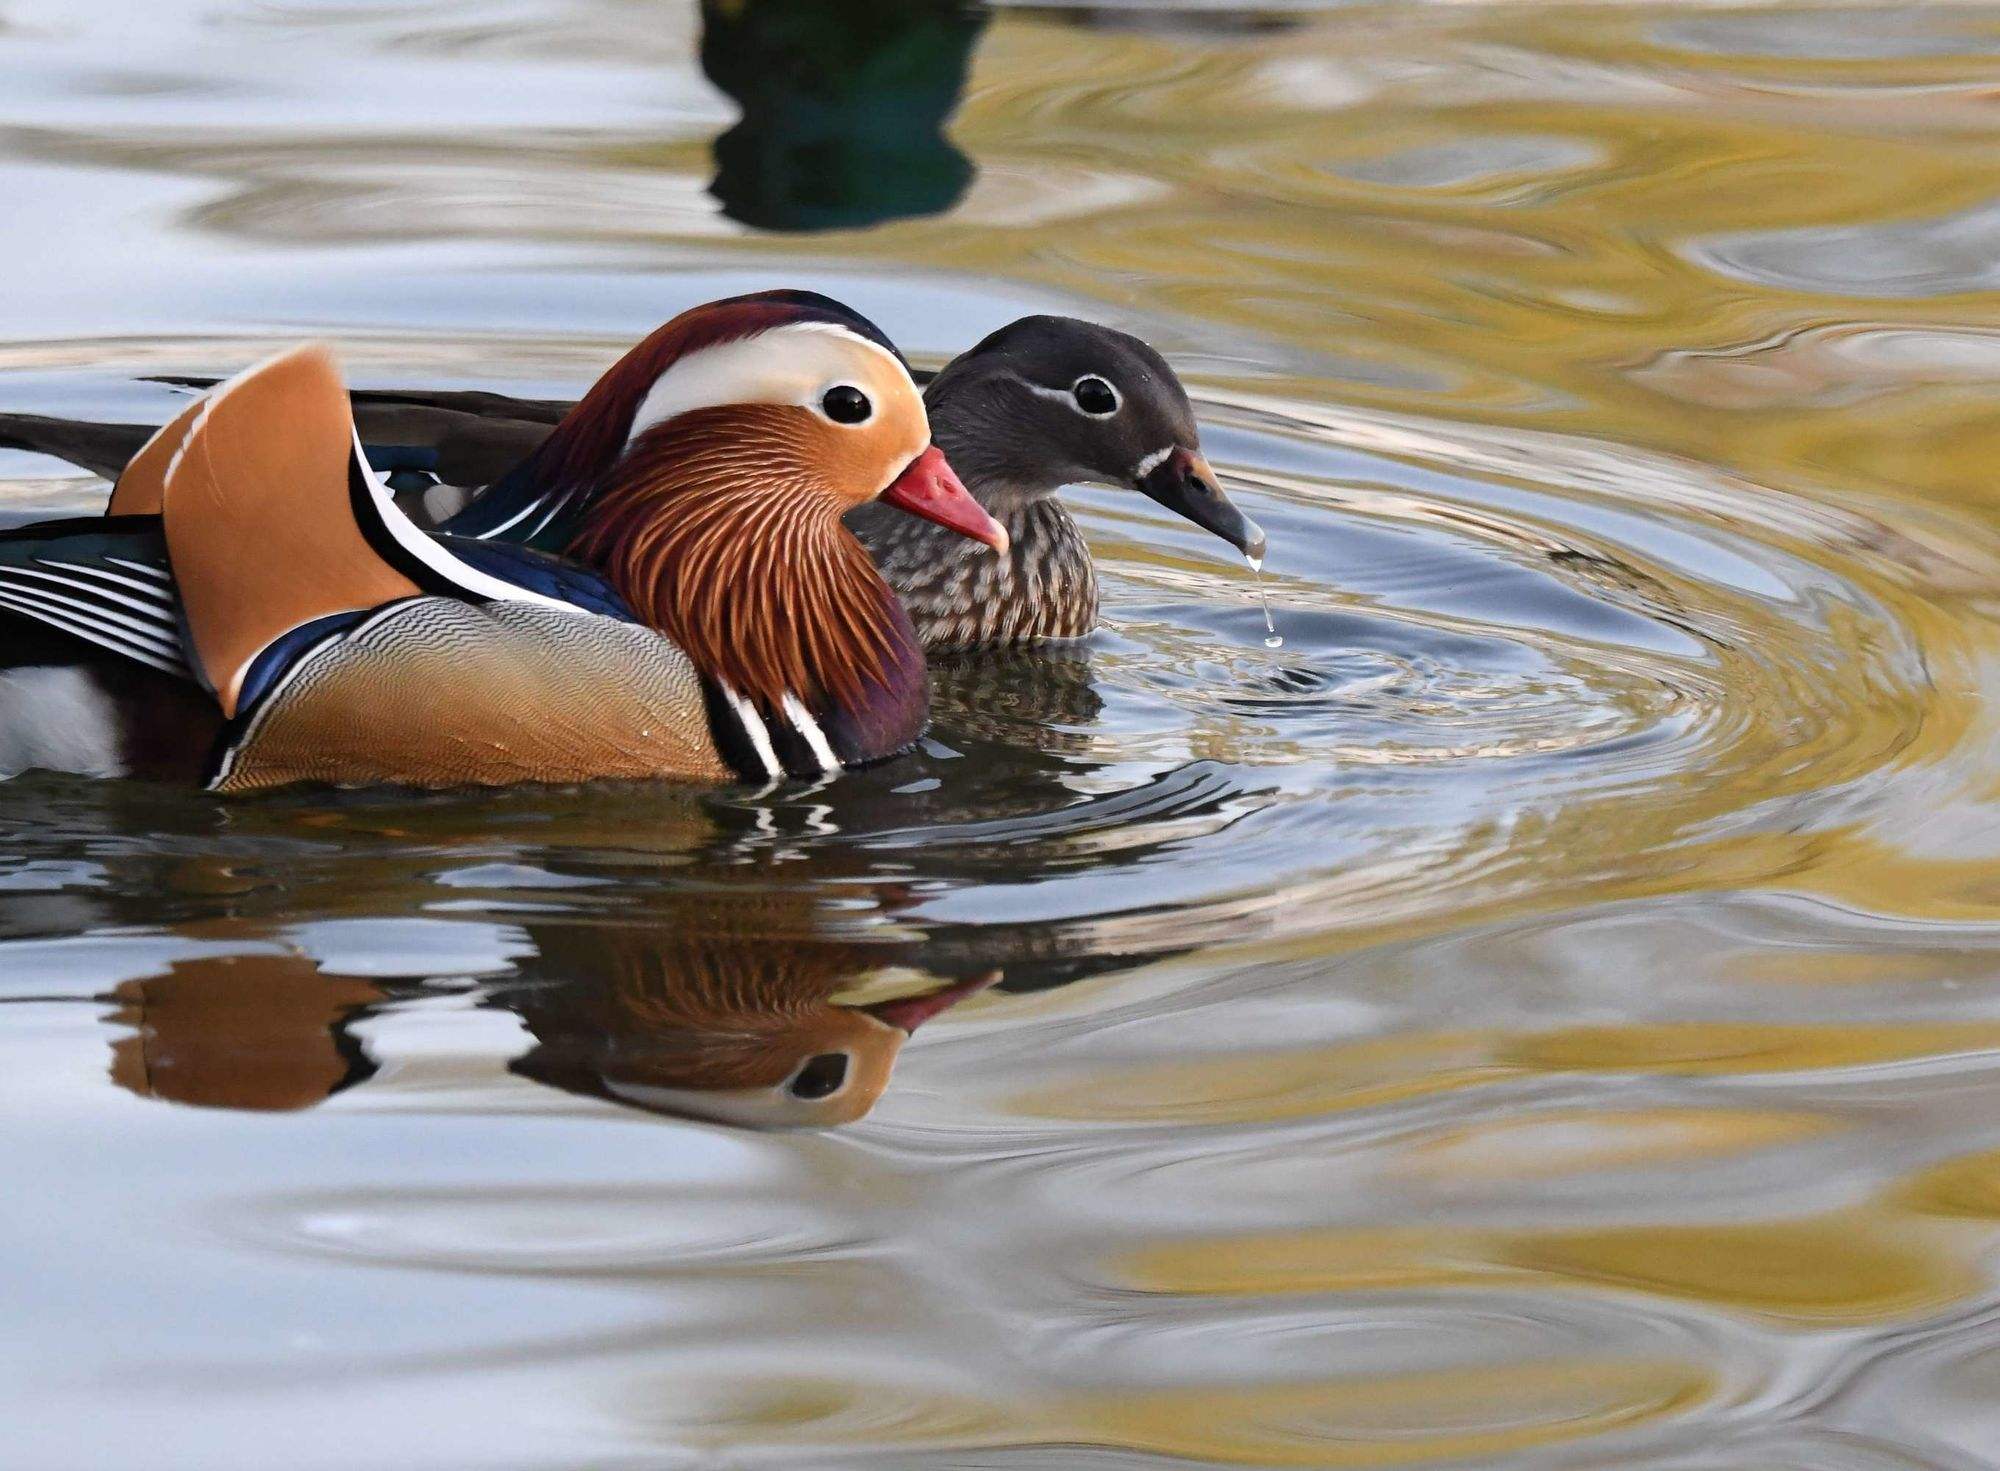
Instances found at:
x=822 y=1077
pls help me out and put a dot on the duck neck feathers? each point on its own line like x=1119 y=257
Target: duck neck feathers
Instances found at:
x=961 y=596
x=725 y=543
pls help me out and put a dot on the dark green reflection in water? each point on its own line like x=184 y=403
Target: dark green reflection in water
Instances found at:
x=844 y=108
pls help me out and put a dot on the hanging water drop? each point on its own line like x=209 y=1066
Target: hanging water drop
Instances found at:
x=1272 y=638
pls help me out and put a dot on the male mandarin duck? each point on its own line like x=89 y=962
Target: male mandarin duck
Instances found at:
x=686 y=602
x=1042 y=403
x=728 y=1027
x=757 y=1032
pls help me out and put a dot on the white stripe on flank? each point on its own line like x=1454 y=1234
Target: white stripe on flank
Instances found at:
x=267 y=702
x=159 y=611
x=753 y=727
x=519 y=516
x=555 y=510
x=822 y=750
x=157 y=595
x=435 y=557
x=117 y=643
x=159 y=574
x=1151 y=463
x=56 y=718
x=92 y=614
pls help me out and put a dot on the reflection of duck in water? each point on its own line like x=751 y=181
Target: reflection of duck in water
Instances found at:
x=266 y=1033
x=765 y=1033
x=844 y=108
x=758 y=1033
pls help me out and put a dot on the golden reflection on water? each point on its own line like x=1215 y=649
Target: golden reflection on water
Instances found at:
x=1379 y=1420
x=1545 y=1015
x=1836 y=1270
x=1279 y=1085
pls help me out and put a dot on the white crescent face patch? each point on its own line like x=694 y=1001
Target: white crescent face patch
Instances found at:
x=793 y=364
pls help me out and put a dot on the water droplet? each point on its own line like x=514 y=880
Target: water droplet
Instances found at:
x=1272 y=639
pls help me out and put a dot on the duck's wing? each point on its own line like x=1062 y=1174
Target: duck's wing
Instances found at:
x=102 y=449
x=465 y=439
x=277 y=529
x=104 y=580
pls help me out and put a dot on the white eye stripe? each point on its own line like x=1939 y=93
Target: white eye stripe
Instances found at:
x=1067 y=396
x=755 y=370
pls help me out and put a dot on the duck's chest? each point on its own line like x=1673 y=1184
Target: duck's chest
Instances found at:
x=961 y=595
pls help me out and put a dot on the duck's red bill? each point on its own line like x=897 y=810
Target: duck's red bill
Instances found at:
x=910 y=1012
x=929 y=488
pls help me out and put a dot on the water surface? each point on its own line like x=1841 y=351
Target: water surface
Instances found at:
x=1545 y=1014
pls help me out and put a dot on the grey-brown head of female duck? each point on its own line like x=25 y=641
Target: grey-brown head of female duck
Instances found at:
x=1043 y=403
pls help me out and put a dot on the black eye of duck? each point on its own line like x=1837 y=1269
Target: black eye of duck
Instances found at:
x=822 y=1077
x=1094 y=396
x=846 y=404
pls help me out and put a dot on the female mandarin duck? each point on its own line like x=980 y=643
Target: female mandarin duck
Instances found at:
x=1043 y=403
x=1040 y=404
x=708 y=617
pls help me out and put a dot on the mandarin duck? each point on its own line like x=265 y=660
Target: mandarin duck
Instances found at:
x=686 y=604
x=1042 y=403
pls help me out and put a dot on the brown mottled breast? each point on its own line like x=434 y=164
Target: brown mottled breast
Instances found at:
x=961 y=595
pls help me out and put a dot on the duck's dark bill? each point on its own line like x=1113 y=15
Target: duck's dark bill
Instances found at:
x=929 y=488
x=1185 y=485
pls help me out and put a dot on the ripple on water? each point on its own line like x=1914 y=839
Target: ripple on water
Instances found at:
x=1596 y=1077
x=606 y=1231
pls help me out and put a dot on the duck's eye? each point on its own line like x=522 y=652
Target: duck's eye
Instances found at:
x=846 y=404
x=1094 y=396
x=822 y=1077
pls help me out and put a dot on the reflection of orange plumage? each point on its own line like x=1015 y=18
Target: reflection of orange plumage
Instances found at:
x=738 y=1030
x=686 y=1020
x=261 y=1032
